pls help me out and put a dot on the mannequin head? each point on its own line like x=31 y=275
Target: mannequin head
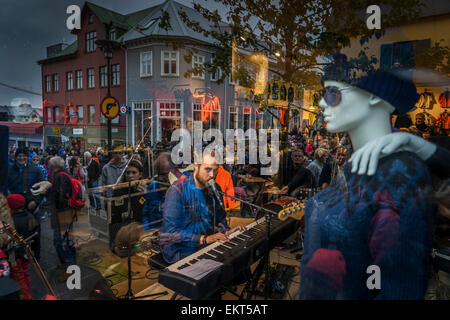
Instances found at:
x=363 y=115
x=355 y=108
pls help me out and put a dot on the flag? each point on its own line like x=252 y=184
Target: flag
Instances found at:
x=64 y=138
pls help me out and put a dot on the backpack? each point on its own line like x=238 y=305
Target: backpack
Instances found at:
x=77 y=200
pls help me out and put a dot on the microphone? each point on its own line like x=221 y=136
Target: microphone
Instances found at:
x=212 y=184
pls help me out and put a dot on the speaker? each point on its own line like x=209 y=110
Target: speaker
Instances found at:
x=4 y=139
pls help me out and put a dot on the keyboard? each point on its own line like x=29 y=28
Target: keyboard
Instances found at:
x=243 y=249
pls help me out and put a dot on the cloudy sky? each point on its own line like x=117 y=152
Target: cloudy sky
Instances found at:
x=27 y=27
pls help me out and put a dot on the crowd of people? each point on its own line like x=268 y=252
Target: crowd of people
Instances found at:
x=41 y=184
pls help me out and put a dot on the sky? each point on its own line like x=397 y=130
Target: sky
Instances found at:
x=28 y=27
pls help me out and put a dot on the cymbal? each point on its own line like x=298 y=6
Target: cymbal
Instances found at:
x=275 y=191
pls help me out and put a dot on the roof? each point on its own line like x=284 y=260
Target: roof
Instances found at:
x=149 y=25
x=23 y=127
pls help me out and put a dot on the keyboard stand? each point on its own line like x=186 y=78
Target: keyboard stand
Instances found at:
x=253 y=281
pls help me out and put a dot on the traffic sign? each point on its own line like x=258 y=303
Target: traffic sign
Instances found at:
x=110 y=107
x=123 y=110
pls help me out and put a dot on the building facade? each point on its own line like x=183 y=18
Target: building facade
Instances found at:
x=75 y=81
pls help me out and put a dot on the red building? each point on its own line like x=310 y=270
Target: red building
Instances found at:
x=75 y=81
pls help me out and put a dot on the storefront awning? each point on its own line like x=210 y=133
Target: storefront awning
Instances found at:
x=23 y=127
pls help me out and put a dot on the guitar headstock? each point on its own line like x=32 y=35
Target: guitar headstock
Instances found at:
x=295 y=211
x=12 y=233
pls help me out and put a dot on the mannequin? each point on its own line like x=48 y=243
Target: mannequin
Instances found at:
x=379 y=225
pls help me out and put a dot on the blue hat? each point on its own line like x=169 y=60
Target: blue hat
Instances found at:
x=395 y=86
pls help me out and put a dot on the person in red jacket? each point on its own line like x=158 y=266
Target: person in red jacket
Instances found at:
x=225 y=182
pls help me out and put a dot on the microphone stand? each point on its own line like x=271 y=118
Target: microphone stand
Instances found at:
x=265 y=262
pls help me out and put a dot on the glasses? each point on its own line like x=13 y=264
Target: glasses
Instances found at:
x=332 y=95
x=36 y=160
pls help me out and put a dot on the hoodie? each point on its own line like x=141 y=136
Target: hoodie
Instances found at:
x=111 y=172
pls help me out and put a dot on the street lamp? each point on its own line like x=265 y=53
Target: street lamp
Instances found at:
x=108 y=47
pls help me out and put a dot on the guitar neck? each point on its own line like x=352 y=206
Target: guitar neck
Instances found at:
x=39 y=271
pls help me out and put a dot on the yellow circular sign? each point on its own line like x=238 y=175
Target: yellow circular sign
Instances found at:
x=110 y=107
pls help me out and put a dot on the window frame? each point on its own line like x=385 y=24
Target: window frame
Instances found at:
x=69 y=80
x=202 y=75
x=89 y=76
x=115 y=75
x=141 y=68
x=91 y=107
x=48 y=86
x=55 y=82
x=79 y=78
x=177 y=74
x=90 y=45
x=103 y=76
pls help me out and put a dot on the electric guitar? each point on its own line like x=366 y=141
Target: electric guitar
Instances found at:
x=295 y=211
x=19 y=240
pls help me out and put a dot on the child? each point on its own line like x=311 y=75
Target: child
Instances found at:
x=26 y=225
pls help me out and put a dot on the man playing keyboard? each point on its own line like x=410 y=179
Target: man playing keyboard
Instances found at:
x=193 y=217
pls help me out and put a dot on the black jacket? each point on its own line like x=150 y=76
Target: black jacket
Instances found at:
x=93 y=171
x=26 y=225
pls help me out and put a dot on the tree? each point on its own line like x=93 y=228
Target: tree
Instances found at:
x=297 y=35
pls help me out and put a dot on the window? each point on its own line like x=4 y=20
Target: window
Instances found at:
x=49 y=114
x=55 y=83
x=103 y=76
x=47 y=84
x=216 y=75
x=91 y=78
x=402 y=54
x=90 y=41
x=197 y=62
x=91 y=114
x=80 y=114
x=115 y=68
x=233 y=114
x=112 y=34
x=208 y=114
x=142 y=121
x=57 y=115
x=232 y=78
x=169 y=63
x=79 y=79
x=91 y=19
x=69 y=81
x=146 y=64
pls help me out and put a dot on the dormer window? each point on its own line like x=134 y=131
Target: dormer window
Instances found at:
x=91 y=19
x=112 y=34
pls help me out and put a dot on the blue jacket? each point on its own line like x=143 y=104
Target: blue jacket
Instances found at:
x=152 y=211
x=20 y=180
x=186 y=219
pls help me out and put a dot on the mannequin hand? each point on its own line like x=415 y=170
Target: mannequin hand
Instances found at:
x=366 y=158
x=216 y=237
